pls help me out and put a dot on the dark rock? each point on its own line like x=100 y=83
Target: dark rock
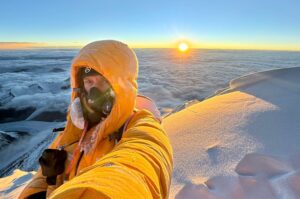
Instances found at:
x=11 y=114
x=7 y=138
x=18 y=70
x=57 y=70
x=5 y=98
x=65 y=87
x=50 y=116
x=36 y=87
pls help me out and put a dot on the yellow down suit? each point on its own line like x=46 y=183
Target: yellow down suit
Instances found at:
x=139 y=165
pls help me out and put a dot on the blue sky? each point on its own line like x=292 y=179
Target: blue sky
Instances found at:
x=249 y=24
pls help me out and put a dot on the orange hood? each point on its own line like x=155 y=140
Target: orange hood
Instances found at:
x=119 y=65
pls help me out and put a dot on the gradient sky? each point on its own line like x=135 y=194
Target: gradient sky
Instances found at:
x=237 y=24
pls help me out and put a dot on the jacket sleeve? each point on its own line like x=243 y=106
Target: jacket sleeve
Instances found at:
x=140 y=166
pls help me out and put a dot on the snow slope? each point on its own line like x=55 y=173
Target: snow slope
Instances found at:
x=22 y=143
x=11 y=186
x=242 y=143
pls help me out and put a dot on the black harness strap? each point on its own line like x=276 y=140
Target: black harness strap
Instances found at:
x=58 y=129
x=117 y=135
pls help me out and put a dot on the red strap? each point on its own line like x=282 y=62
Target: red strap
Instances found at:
x=77 y=149
x=144 y=102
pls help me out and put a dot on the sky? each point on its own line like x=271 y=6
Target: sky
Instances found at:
x=230 y=24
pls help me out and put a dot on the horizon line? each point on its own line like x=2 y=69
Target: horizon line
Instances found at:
x=40 y=45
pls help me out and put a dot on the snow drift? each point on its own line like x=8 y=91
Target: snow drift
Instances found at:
x=241 y=143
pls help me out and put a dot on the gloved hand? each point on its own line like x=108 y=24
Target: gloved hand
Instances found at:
x=52 y=163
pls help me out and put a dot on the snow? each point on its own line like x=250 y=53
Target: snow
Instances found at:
x=27 y=146
x=261 y=165
x=11 y=186
x=242 y=143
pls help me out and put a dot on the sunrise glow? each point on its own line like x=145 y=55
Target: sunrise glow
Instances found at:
x=183 y=47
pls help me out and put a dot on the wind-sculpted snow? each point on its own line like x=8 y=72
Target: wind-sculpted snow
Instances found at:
x=242 y=143
x=261 y=165
x=255 y=185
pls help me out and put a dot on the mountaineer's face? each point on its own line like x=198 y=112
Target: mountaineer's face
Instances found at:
x=97 y=81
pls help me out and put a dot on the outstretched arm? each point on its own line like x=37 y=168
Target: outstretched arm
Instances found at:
x=140 y=166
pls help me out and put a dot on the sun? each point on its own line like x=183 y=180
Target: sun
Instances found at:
x=183 y=47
